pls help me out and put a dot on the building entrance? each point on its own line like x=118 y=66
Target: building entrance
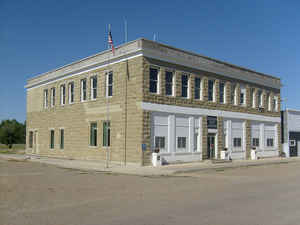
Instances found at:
x=211 y=146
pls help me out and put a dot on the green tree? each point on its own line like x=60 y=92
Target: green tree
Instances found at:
x=12 y=132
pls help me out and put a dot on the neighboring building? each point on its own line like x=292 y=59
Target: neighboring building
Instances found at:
x=290 y=123
x=189 y=106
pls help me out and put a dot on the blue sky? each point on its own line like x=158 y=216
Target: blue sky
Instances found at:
x=37 y=36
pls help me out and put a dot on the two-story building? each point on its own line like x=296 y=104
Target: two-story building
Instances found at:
x=189 y=106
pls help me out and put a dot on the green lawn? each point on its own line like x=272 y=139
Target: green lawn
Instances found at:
x=16 y=149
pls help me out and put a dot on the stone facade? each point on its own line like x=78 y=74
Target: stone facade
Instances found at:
x=130 y=123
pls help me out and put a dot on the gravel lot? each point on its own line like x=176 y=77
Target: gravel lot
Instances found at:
x=39 y=194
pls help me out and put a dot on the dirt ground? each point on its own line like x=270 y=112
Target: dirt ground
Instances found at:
x=38 y=194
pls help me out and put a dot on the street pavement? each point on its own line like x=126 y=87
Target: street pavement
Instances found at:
x=36 y=193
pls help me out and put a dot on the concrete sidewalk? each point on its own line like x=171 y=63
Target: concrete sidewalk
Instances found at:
x=165 y=170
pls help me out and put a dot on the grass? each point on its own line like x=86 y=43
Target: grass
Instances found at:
x=16 y=149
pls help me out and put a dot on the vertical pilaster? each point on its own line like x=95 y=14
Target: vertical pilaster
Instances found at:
x=205 y=88
x=204 y=137
x=146 y=139
x=162 y=81
x=220 y=136
x=238 y=94
x=248 y=138
x=192 y=86
x=217 y=91
x=228 y=93
x=178 y=83
x=248 y=96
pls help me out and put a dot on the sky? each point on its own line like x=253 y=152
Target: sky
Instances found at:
x=38 y=36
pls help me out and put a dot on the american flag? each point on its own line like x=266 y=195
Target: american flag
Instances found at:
x=110 y=41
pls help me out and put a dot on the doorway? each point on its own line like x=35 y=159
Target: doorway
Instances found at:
x=211 y=146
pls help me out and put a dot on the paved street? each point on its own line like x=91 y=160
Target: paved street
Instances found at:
x=39 y=194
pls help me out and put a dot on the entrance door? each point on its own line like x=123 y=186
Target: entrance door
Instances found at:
x=211 y=146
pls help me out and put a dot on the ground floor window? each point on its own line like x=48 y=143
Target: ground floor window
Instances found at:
x=93 y=134
x=237 y=142
x=181 y=142
x=30 y=139
x=255 y=142
x=270 y=142
x=106 y=133
x=52 y=139
x=62 y=139
x=160 y=143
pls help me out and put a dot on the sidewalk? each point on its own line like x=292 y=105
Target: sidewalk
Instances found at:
x=165 y=170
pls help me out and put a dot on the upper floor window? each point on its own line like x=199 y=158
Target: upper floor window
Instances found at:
x=185 y=86
x=71 y=93
x=83 y=90
x=197 y=88
x=222 y=92
x=94 y=87
x=243 y=95
x=154 y=80
x=46 y=98
x=63 y=94
x=275 y=104
x=169 y=83
x=233 y=94
x=52 y=99
x=211 y=85
x=109 y=84
x=269 y=101
x=260 y=98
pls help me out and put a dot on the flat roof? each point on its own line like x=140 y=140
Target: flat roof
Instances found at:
x=158 y=51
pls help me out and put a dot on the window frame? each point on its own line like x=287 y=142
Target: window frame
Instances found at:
x=83 y=91
x=30 y=139
x=243 y=92
x=275 y=103
x=198 y=90
x=62 y=138
x=94 y=88
x=255 y=142
x=270 y=142
x=152 y=81
x=71 y=96
x=213 y=99
x=260 y=99
x=52 y=139
x=106 y=142
x=222 y=99
x=186 y=86
x=180 y=142
x=169 y=83
x=46 y=96
x=108 y=86
x=159 y=139
x=237 y=144
x=93 y=134
x=62 y=94
x=52 y=97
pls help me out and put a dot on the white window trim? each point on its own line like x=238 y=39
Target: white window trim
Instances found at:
x=69 y=87
x=81 y=90
x=106 y=84
x=243 y=91
x=214 y=90
x=276 y=104
x=62 y=96
x=52 y=97
x=46 y=98
x=92 y=89
x=158 y=80
x=173 y=81
x=188 y=85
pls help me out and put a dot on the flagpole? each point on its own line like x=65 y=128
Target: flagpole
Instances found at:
x=107 y=103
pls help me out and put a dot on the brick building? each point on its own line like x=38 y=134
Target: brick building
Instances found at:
x=189 y=106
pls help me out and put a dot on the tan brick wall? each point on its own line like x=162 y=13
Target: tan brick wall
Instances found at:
x=75 y=118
